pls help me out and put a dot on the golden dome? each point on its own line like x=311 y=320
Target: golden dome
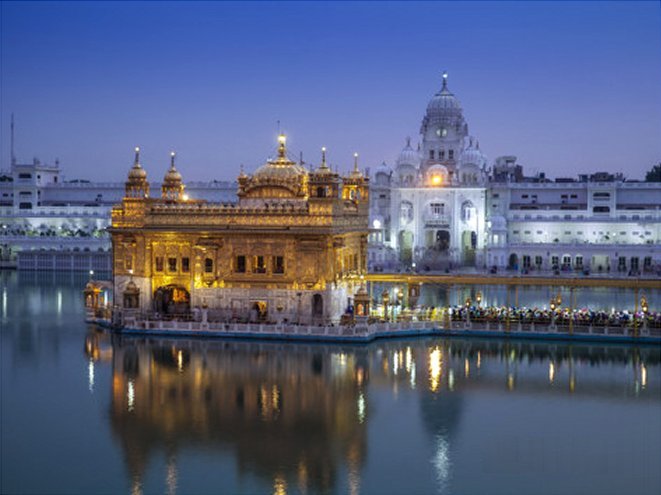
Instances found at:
x=172 y=177
x=137 y=172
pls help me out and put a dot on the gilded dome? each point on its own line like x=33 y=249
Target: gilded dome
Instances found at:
x=172 y=177
x=137 y=172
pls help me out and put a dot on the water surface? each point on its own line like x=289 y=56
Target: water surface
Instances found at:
x=84 y=411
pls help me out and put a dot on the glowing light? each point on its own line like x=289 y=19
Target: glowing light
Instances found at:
x=435 y=368
x=436 y=180
x=184 y=197
x=180 y=361
x=551 y=372
x=395 y=363
x=130 y=396
x=467 y=368
x=90 y=375
x=361 y=408
x=572 y=383
x=59 y=302
x=451 y=380
x=173 y=154
x=479 y=359
x=137 y=149
x=282 y=139
x=4 y=302
x=643 y=376
x=279 y=485
x=323 y=148
x=409 y=359
x=376 y=224
x=412 y=380
x=355 y=155
x=510 y=381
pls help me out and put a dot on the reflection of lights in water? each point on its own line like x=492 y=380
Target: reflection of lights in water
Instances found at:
x=510 y=381
x=136 y=486
x=353 y=464
x=302 y=477
x=361 y=408
x=90 y=375
x=59 y=302
x=4 y=302
x=412 y=377
x=395 y=363
x=435 y=368
x=279 y=485
x=551 y=372
x=130 y=396
x=171 y=476
x=643 y=375
x=409 y=359
x=572 y=383
x=467 y=368
x=441 y=460
x=275 y=397
x=512 y=355
x=451 y=379
x=180 y=361
x=479 y=359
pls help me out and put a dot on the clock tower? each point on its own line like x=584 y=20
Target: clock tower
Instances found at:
x=443 y=131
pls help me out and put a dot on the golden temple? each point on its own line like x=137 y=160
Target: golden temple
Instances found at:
x=293 y=248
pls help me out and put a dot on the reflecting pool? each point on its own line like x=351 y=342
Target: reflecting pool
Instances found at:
x=84 y=411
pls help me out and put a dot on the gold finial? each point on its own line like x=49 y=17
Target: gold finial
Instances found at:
x=172 y=155
x=137 y=156
x=323 y=156
x=282 y=148
x=355 y=162
x=445 y=81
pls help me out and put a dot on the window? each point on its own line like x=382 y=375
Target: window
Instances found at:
x=539 y=232
x=538 y=261
x=524 y=196
x=258 y=264
x=601 y=209
x=567 y=232
x=437 y=209
x=208 y=265
x=573 y=196
x=563 y=196
x=527 y=232
x=451 y=154
x=441 y=155
x=25 y=193
x=431 y=154
x=601 y=196
x=172 y=264
x=555 y=260
x=25 y=206
x=566 y=260
x=158 y=263
x=185 y=265
x=495 y=195
x=579 y=261
x=25 y=176
x=516 y=232
x=279 y=264
x=128 y=262
x=241 y=264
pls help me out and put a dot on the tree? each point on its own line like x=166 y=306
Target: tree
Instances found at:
x=654 y=175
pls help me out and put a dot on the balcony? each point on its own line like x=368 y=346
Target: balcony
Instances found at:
x=432 y=220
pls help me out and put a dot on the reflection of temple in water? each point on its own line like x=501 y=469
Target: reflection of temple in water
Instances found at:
x=295 y=416
x=291 y=417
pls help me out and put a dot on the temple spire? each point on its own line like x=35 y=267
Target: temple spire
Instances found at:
x=136 y=163
x=445 y=81
x=172 y=155
x=282 y=147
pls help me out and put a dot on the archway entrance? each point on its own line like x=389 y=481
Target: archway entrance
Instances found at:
x=442 y=240
x=468 y=245
x=405 y=246
x=259 y=311
x=317 y=306
x=514 y=262
x=171 y=300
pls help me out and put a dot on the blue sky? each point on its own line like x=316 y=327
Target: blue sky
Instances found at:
x=568 y=87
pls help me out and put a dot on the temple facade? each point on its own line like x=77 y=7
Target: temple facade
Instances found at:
x=293 y=248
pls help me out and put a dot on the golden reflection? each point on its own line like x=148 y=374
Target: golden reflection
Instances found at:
x=467 y=367
x=510 y=382
x=395 y=363
x=572 y=383
x=409 y=359
x=435 y=368
x=361 y=408
x=302 y=472
x=451 y=380
x=479 y=360
x=180 y=361
x=412 y=376
x=130 y=396
x=90 y=375
x=279 y=485
x=643 y=375
x=551 y=372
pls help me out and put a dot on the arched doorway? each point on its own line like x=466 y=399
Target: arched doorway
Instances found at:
x=514 y=262
x=171 y=300
x=405 y=246
x=442 y=240
x=468 y=245
x=259 y=311
x=317 y=306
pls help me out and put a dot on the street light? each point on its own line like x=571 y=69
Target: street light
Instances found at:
x=478 y=298
x=645 y=307
x=468 y=305
x=385 y=297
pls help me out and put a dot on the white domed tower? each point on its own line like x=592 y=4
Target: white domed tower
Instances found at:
x=443 y=131
x=473 y=163
x=407 y=165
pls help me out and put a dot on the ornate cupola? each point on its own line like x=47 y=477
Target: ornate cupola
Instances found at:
x=355 y=185
x=323 y=182
x=278 y=178
x=136 y=185
x=173 y=188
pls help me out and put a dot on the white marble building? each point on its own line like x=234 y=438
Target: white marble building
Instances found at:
x=440 y=208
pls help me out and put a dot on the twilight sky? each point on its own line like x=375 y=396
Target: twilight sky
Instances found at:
x=568 y=87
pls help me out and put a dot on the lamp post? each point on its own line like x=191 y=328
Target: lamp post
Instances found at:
x=478 y=298
x=385 y=296
x=552 y=306
x=468 y=306
x=645 y=308
x=400 y=300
